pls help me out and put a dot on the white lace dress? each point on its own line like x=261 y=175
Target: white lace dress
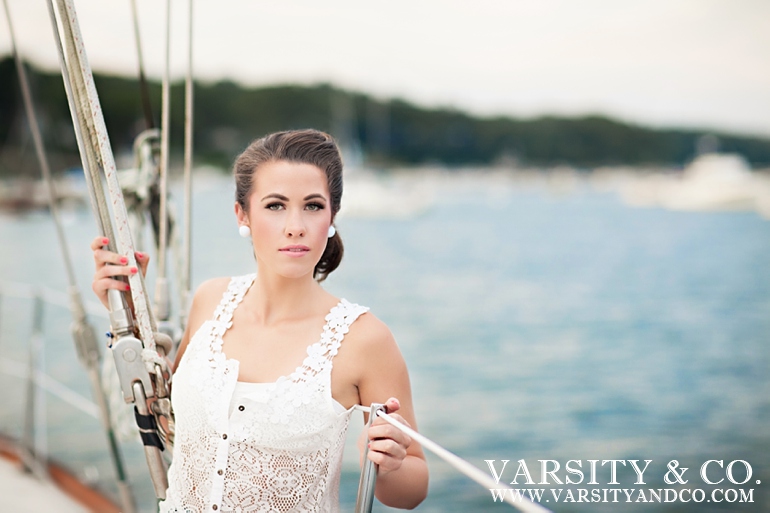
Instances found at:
x=280 y=450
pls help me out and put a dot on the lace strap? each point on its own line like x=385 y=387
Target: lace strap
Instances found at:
x=232 y=297
x=338 y=322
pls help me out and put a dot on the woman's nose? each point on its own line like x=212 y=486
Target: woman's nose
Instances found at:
x=295 y=226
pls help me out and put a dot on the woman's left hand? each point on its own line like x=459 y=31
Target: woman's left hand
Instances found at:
x=388 y=444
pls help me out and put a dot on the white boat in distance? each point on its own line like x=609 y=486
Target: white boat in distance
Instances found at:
x=711 y=182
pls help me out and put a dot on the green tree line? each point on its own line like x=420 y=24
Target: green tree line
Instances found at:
x=228 y=116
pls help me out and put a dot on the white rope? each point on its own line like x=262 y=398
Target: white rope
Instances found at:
x=151 y=358
x=461 y=465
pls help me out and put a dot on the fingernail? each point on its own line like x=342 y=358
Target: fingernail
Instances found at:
x=105 y=241
x=123 y=260
x=134 y=270
x=139 y=255
x=128 y=287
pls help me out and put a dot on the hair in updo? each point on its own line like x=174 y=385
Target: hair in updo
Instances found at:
x=304 y=147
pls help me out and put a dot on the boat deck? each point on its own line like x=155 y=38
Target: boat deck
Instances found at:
x=24 y=493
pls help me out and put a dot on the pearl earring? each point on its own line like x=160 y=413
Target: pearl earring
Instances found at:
x=331 y=232
x=244 y=231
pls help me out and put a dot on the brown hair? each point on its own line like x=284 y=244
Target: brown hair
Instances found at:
x=305 y=147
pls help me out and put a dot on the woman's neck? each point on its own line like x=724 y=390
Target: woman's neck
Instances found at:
x=274 y=299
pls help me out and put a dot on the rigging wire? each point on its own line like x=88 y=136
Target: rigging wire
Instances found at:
x=45 y=168
x=161 y=280
x=143 y=87
x=186 y=277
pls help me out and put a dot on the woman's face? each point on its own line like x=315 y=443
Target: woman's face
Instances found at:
x=289 y=216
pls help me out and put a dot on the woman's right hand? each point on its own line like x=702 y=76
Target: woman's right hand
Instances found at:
x=110 y=265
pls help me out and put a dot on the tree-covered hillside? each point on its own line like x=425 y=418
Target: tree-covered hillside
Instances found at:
x=228 y=116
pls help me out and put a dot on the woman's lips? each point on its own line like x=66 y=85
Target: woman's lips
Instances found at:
x=294 y=251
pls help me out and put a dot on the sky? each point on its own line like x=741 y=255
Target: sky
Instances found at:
x=662 y=63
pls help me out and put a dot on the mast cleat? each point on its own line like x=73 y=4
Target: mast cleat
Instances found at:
x=127 y=352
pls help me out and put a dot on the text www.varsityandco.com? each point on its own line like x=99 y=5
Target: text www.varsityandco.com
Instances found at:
x=713 y=473
x=622 y=495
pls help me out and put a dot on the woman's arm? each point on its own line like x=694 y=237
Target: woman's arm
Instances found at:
x=402 y=476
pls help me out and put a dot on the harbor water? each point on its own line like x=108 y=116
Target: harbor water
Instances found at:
x=537 y=325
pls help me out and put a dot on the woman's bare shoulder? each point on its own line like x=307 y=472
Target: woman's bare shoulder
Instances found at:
x=207 y=297
x=213 y=286
x=369 y=333
x=368 y=343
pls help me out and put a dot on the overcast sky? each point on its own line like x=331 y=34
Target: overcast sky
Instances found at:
x=676 y=63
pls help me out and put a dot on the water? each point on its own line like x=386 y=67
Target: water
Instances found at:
x=535 y=327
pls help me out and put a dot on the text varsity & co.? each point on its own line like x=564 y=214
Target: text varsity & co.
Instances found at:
x=598 y=480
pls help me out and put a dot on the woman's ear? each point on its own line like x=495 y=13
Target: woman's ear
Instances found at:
x=240 y=214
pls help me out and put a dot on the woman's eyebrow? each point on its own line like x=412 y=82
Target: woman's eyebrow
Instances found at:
x=284 y=198
x=276 y=196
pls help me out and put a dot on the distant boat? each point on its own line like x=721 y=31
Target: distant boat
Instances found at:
x=386 y=195
x=711 y=182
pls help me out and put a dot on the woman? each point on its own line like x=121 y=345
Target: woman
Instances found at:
x=255 y=431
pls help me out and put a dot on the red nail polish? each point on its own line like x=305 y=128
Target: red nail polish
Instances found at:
x=139 y=255
x=105 y=241
x=123 y=260
x=128 y=287
x=134 y=270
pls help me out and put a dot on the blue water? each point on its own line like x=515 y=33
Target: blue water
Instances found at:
x=535 y=327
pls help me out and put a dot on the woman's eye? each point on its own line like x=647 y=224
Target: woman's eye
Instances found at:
x=314 y=206
x=274 y=206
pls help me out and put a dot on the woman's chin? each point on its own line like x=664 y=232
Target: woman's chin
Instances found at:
x=295 y=272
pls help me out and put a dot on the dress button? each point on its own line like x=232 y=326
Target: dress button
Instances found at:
x=220 y=472
x=214 y=507
x=241 y=408
x=224 y=437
